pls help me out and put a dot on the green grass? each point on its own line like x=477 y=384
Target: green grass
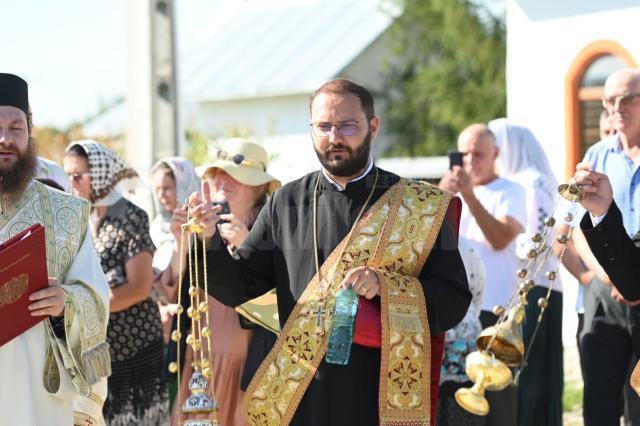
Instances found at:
x=572 y=396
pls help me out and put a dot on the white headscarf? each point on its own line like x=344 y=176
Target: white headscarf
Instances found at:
x=185 y=178
x=522 y=158
x=186 y=183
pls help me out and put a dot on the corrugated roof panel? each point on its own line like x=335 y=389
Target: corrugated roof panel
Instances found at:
x=279 y=48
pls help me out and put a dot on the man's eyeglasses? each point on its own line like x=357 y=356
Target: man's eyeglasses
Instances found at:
x=77 y=177
x=623 y=100
x=322 y=129
x=240 y=159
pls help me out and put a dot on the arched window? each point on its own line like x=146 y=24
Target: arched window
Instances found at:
x=584 y=89
x=590 y=98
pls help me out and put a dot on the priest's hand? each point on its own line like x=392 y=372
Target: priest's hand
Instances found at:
x=596 y=188
x=203 y=210
x=48 y=301
x=364 y=281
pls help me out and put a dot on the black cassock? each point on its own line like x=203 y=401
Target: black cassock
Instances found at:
x=279 y=253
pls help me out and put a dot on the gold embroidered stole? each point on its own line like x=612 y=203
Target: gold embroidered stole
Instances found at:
x=394 y=237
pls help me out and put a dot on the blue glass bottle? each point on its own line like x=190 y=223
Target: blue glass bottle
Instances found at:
x=343 y=322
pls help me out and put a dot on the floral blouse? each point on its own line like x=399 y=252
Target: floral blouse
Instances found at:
x=461 y=340
x=122 y=234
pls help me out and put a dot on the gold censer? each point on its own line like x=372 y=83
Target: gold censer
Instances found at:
x=501 y=346
x=200 y=403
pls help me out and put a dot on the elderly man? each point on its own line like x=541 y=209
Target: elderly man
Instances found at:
x=493 y=215
x=349 y=231
x=610 y=340
x=48 y=368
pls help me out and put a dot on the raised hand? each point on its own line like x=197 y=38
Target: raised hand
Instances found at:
x=203 y=210
x=596 y=188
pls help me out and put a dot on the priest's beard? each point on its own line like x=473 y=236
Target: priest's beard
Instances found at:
x=15 y=179
x=353 y=161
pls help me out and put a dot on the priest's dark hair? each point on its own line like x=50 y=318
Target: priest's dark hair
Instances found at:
x=343 y=86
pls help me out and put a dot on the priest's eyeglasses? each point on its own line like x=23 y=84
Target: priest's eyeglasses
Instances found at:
x=323 y=129
x=623 y=100
x=239 y=159
x=77 y=177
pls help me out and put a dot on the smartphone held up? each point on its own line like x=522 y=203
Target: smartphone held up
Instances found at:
x=455 y=159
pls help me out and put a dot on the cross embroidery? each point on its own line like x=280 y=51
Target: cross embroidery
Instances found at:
x=320 y=313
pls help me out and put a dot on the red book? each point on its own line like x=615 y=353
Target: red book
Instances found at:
x=23 y=270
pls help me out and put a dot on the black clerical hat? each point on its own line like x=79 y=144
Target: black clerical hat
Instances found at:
x=14 y=92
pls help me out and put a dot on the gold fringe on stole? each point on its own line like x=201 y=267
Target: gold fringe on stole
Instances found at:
x=94 y=350
x=96 y=363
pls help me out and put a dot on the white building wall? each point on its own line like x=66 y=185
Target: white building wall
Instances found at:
x=544 y=37
x=541 y=48
x=260 y=117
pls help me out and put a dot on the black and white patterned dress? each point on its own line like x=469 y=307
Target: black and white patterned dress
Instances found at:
x=137 y=395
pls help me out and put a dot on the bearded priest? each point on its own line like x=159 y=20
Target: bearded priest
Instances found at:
x=347 y=236
x=53 y=373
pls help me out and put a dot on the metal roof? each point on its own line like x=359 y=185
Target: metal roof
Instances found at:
x=278 y=48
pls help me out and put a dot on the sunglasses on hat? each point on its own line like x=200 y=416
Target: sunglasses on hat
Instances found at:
x=239 y=159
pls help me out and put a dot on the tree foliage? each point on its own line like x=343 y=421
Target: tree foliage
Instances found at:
x=446 y=71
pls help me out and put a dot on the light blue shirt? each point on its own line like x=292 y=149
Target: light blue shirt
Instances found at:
x=608 y=157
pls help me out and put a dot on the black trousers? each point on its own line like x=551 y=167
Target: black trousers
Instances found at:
x=609 y=346
x=503 y=405
x=452 y=414
x=541 y=380
x=578 y=343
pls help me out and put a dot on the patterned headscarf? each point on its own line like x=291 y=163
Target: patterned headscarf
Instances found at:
x=110 y=174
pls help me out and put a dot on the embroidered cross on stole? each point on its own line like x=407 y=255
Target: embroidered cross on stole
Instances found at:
x=394 y=238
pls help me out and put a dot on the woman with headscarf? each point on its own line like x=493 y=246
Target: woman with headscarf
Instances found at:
x=122 y=242
x=523 y=161
x=460 y=341
x=173 y=180
x=238 y=177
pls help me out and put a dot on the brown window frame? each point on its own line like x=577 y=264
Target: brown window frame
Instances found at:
x=574 y=93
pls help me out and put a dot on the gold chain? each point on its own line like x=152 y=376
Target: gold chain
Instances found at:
x=315 y=221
